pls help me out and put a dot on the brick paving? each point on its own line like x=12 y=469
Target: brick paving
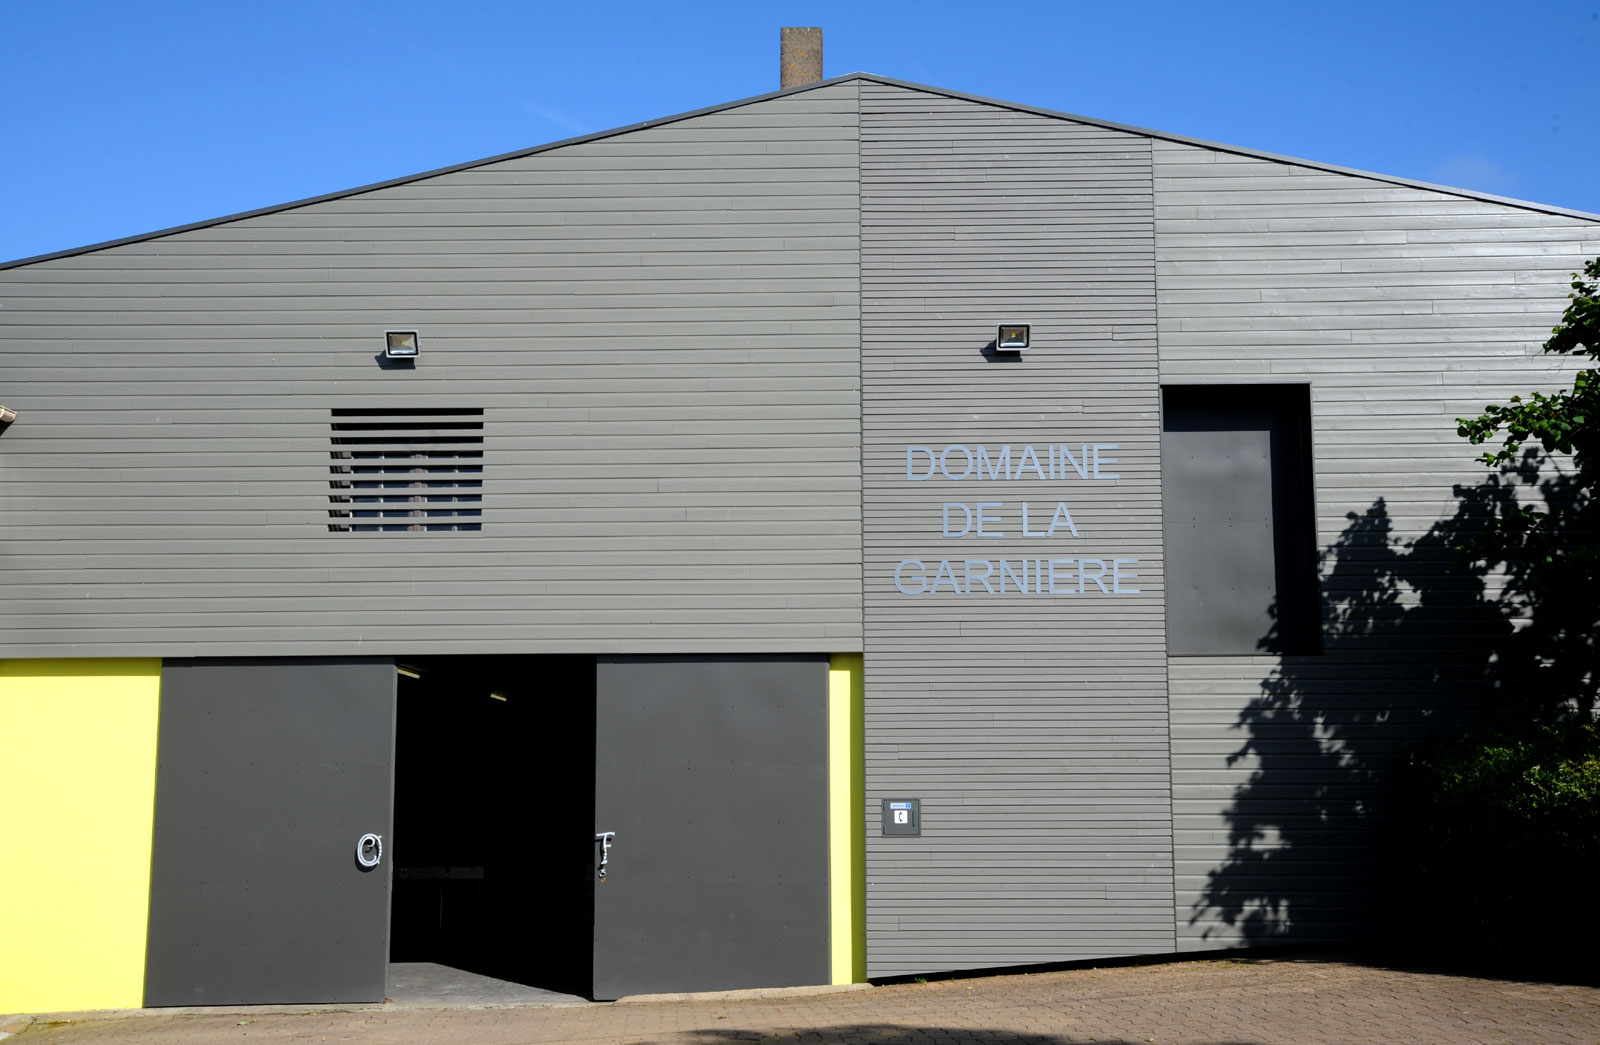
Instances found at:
x=1213 y=1002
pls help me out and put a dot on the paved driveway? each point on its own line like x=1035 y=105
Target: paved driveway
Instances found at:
x=1211 y=1002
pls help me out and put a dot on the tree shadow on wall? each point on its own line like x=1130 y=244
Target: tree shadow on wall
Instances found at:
x=1417 y=642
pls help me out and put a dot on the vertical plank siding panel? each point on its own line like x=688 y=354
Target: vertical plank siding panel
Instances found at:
x=660 y=327
x=1403 y=308
x=1032 y=727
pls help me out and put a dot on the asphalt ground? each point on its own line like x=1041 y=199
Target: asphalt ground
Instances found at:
x=1214 y=1002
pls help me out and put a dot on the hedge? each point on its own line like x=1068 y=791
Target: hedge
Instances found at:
x=1497 y=848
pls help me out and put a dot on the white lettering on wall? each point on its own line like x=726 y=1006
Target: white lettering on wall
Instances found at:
x=987 y=520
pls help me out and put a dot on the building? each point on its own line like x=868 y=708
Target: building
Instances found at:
x=716 y=537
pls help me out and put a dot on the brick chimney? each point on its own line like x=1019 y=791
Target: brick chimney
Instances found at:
x=800 y=62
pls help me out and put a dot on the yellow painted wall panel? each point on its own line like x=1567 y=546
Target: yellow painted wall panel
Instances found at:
x=847 y=871
x=77 y=807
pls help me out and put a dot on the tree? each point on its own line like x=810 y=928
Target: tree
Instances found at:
x=1497 y=828
x=1566 y=421
x=1550 y=553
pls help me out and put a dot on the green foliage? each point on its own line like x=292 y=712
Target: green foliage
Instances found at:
x=1498 y=834
x=1562 y=423
x=1500 y=839
x=1550 y=552
x=1579 y=330
x=1545 y=781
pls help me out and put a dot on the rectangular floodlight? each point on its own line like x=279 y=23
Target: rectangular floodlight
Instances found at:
x=1013 y=337
x=400 y=344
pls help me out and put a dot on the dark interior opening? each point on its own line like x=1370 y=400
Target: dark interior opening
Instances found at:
x=1239 y=520
x=493 y=840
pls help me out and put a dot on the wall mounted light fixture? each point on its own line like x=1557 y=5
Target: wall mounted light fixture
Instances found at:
x=7 y=416
x=400 y=344
x=1013 y=337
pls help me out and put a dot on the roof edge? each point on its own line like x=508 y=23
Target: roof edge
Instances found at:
x=1181 y=139
x=278 y=208
x=1238 y=150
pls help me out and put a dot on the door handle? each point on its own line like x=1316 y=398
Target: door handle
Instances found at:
x=369 y=850
x=604 y=838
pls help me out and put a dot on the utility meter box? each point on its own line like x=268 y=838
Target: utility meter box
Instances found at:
x=902 y=816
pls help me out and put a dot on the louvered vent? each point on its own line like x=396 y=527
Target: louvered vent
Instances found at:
x=405 y=470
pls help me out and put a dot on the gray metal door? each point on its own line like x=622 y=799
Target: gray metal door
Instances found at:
x=712 y=775
x=269 y=772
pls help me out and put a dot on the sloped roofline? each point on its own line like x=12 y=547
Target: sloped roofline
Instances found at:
x=1544 y=208
x=847 y=78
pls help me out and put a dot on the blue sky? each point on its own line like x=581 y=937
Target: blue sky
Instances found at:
x=122 y=118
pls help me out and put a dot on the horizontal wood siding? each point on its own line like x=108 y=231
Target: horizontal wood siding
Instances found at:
x=1032 y=727
x=660 y=327
x=1403 y=308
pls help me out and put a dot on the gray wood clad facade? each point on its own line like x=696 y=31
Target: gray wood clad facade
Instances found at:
x=1403 y=309
x=1033 y=727
x=660 y=327
x=740 y=394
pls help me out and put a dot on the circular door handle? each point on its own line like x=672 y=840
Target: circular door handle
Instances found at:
x=369 y=850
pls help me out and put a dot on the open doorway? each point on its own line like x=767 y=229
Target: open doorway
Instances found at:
x=493 y=839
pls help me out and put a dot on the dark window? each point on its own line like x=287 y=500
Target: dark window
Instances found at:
x=1239 y=521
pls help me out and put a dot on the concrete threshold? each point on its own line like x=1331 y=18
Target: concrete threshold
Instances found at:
x=748 y=994
x=11 y=1025
x=302 y=1010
